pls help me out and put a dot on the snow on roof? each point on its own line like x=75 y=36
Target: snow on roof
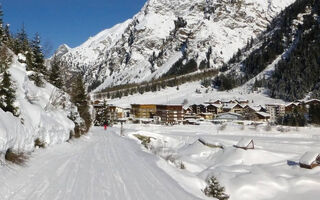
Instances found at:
x=309 y=157
x=215 y=105
x=206 y=113
x=312 y=100
x=229 y=105
x=244 y=142
x=229 y=113
x=264 y=114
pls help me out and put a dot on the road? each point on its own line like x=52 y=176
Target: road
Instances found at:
x=101 y=165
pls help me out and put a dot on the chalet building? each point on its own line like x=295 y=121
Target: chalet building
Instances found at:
x=275 y=110
x=197 y=109
x=242 y=101
x=295 y=106
x=207 y=116
x=235 y=108
x=229 y=116
x=314 y=102
x=217 y=102
x=97 y=104
x=187 y=110
x=249 y=109
x=170 y=113
x=214 y=108
x=143 y=110
x=262 y=116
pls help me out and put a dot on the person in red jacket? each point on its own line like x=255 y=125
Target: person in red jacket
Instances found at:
x=105 y=126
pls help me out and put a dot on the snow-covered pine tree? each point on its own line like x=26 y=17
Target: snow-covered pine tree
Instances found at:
x=38 y=62
x=35 y=61
x=214 y=189
x=80 y=99
x=54 y=74
x=21 y=43
x=101 y=115
x=7 y=92
x=7 y=36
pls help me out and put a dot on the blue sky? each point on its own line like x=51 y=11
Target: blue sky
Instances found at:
x=67 y=21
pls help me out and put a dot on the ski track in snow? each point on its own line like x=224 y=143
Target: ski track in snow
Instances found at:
x=100 y=166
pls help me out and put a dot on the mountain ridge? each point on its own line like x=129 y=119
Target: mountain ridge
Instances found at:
x=148 y=45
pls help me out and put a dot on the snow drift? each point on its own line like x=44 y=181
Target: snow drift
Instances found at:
x=43 y=114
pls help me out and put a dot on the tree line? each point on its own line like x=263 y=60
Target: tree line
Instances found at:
x=30 y=52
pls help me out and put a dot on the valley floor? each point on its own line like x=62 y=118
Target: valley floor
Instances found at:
x=102 y=165
x=175 y=165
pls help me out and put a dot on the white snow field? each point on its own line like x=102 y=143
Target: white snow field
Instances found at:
x=99 y=166
x=103 y=165
x=270 y=171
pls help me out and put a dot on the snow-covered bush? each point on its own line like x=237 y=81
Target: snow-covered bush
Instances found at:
x=214 y=189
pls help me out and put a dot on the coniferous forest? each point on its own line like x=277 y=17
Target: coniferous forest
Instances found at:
x=296 y=40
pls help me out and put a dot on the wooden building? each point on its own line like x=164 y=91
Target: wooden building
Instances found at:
x=143 y=110
x=262 y=116
x=170 y=113
x=214 y=108
x=229 y=116
x=207 y=116
x=197 y=109
x=315 y=102
x=310 y=160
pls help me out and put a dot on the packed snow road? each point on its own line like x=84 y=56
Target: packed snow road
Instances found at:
x=100 y=166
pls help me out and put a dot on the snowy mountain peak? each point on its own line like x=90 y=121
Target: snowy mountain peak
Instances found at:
x=146 y=46
x=62 y=49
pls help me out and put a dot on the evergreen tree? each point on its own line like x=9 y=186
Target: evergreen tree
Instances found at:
x=101 y=115
x=5 y=59
x=38 y=62
x=1 y=24
x=80 y=99
x=37 y=78
x=314 y=114
x=7 y=93
x=54 y=74
x=21 y=42
x=7 y=36
x=214 y=189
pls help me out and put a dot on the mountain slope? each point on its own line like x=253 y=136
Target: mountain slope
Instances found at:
x=164 y=32
x=284 y=59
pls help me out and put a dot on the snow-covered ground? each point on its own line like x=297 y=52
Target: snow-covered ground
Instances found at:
x=99 y=166
x=187 y=92
x=103 y=165
x=270 y=171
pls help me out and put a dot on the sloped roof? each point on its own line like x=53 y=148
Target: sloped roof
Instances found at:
x=244 y=142
x=263 y=114
x=230 y=105
x=309 y=157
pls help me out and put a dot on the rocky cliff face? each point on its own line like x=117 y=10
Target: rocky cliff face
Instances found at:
x=163 y=32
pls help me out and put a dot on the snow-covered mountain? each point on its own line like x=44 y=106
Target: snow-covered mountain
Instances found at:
x=146 y=46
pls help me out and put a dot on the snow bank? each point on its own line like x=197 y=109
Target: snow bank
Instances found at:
x=43 y=114
x=271 y=171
